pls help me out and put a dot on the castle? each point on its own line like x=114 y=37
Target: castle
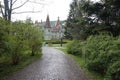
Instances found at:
x=53 y=29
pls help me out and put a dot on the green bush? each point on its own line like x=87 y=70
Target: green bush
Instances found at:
x=113 y=72
x=36 y=47
x=17 y=38
x=3 y=35
x=74 y=48
x=102 y=54
x=95 y=51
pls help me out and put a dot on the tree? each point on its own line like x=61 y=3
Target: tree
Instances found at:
x=76 y=22
x=104 y=13
x=71 y=19
x=91 y=18
x=22 y=37
x=8 y=7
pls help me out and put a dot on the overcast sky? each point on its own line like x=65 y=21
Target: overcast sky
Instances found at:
x=54 y=8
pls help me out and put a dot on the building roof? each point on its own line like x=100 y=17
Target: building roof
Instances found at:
x=55 y=28
x=47 y=22
x=52 y=25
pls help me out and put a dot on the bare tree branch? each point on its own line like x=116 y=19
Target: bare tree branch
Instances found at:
x=21 y=5
x=37 y=2
x=7 y=9
x=26 y=12
x=14 y=2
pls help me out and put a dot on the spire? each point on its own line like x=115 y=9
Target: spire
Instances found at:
x=48 y=22
x=58 y=22
x=58 y=18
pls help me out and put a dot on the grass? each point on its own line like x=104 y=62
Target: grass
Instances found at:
x=81 y=63
x=6 y=67
x=57 y=45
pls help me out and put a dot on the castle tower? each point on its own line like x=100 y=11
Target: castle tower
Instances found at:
x=47 y=22
x=47 y=31
x=57 y=23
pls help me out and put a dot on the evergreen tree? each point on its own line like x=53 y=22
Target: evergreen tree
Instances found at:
x=90 y=18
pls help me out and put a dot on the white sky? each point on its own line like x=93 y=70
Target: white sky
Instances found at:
x=54 y=8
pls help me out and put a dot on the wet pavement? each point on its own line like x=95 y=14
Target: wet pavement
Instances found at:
x=53 y=65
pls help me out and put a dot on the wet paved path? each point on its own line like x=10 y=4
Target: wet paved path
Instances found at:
x=54 y=65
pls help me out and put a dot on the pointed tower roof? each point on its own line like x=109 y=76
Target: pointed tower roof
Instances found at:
x=48 y=22
x=56 y=27
x=57 y=22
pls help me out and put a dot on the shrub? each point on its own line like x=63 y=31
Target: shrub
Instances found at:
x=36 y=47
x=56 y=41
x=3 y=35
x=14 y=49
x=113 y=72
x=34 y=40
x=102 y=55
x=17 y=38
x=74 y=48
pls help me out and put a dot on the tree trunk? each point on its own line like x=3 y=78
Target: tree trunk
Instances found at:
x=6 y=9
x=32 y=54
x=15 y=59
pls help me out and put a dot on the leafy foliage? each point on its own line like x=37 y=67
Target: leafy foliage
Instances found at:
x=101 y=54
x=86 y=21
x=74 y=48
x=89 y=18
x=3 y=33
x=19 y=37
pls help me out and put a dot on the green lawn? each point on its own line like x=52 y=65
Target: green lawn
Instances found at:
x=6 y=67
x=81 y=62
x=57 y=45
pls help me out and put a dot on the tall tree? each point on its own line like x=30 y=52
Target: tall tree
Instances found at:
x=90 y=18
x=107 y=13
x=76 y=20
